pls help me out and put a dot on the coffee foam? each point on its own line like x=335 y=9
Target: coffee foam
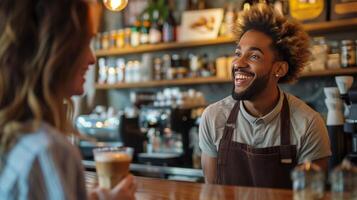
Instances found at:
x=109 y=156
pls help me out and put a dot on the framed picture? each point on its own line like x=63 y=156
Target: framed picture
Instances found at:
x=200 y=24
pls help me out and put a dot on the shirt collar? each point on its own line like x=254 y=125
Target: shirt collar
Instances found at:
x=266 y=118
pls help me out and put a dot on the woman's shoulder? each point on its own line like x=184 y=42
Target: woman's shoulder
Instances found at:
x=44 y=138
x=45 y=142
x=43 y=155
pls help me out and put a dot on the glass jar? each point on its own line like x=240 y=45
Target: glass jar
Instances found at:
x=157 y=69
x=127 y=35
x=343 y=181
x=348 y=53
x=105 y=40
x=308 y=181
x=98 y=42
x=120 y=41
x=112 y=39
x=319 y=51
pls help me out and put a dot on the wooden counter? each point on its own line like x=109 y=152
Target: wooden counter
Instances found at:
x=159 y=189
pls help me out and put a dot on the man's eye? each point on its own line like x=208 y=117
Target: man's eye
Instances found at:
x=254 y=57
x=238 y=54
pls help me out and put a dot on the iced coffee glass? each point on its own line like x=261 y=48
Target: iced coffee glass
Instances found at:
x=112 y=164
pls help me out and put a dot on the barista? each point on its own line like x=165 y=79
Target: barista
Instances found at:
x=257 y=135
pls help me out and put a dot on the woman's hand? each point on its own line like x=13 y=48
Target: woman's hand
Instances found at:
x=124 y=190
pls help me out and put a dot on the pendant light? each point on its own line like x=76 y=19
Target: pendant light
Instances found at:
x=115 y=5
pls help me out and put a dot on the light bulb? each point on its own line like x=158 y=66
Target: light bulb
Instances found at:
x=115 y=5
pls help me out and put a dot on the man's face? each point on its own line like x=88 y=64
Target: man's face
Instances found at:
x=252 y=66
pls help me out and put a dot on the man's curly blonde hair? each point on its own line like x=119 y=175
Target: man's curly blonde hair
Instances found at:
x=289 y=39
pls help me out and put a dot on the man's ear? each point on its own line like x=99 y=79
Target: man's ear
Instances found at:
x=281 y=68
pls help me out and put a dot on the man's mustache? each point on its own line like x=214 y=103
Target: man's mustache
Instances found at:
x=241 y=70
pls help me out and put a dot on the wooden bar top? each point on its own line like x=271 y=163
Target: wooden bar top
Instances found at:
x=160 y=189
x=151 y=189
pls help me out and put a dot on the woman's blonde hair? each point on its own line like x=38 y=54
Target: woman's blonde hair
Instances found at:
x=40 y=40
x=289 y=39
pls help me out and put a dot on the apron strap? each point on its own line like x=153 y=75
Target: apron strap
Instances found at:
x=228 y=134
x=286 y=154
x=285 y=123
x=231 y=122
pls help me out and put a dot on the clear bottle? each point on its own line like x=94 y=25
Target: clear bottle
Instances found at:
x=120 y=68
x=343 y=181
x=155 y=33
x=102 y=71
x=135 y=34
x=144 y=31
x=308 y=181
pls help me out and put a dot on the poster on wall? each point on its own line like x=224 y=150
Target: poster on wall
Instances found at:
x=200 y=24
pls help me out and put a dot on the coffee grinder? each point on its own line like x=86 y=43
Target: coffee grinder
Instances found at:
x=335 y=121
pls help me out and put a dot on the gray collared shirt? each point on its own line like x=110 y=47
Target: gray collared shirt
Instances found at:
x=43 y=165
x=308 y=131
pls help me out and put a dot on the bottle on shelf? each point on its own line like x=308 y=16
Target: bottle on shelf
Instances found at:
x=166 y=67
x=135 y=34
x=120 y=70
x=228 y=20
x=120 y=41
x=158 y=69
x=155 y=34
x=169 y=28
x=144 y=31
x=127 y=35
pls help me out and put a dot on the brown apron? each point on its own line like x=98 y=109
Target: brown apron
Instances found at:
x=241 y=164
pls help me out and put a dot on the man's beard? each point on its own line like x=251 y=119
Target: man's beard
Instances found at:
x=253 y=90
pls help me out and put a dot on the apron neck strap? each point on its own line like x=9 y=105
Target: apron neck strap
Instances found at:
x=232 y=119
x=285 y=123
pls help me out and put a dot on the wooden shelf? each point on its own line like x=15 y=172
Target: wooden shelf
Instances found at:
x=331 y=26
x=164 y=83
x=212 y=80
x=162 y=47
x=331 y=72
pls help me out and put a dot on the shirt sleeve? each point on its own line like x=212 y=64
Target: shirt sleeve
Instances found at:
x=206 y=131
x=56 y=175
x=316 y=143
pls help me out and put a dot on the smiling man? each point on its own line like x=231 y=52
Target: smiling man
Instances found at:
x=258 y=134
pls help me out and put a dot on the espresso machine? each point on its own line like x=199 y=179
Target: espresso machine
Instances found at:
x=167 y=130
